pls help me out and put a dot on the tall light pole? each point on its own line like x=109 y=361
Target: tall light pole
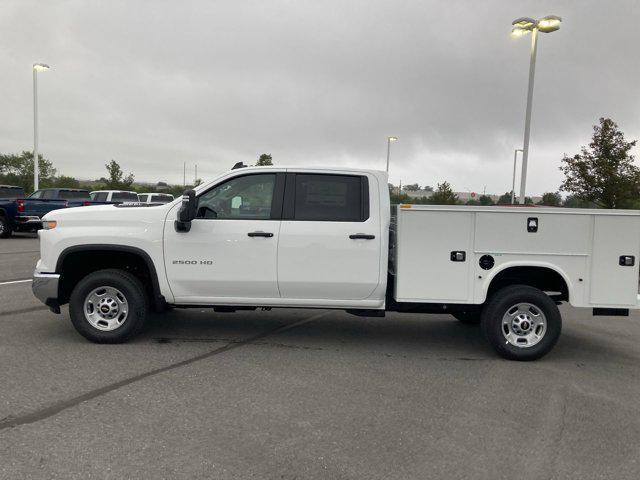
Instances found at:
x=37 y=67
x=522 y=26
x=513 y=183
x=389 y=140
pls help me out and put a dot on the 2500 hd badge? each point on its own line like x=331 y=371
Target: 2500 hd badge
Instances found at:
x=192 y=262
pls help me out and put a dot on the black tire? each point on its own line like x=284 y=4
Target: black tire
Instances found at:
x=501 y=303
x=471 y=317
x=132 y=290
x=5 y=227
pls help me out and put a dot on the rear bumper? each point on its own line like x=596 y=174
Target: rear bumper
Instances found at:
x=45 y=288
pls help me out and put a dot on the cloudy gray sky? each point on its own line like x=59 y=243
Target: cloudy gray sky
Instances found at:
x=155 y=83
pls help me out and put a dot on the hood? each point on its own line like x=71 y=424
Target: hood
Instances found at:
x=101 y=214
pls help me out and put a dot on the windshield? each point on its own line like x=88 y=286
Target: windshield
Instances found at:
x=74 y=195
x=10 y=192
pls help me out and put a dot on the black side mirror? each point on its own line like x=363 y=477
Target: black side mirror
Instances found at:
x=187 y=211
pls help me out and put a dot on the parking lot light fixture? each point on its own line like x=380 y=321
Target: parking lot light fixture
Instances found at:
x=37 y=67
x=522 y=26
x=549 y=24
x=389 y=140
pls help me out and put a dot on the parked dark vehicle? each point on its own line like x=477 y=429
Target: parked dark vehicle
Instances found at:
x=10 y=192
x=8 y=196
x=24 y=214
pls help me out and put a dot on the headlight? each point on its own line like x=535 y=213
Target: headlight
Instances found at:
x=49 y=224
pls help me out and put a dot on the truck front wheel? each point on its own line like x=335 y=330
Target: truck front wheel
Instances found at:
x=108 y=306
x=521 y=322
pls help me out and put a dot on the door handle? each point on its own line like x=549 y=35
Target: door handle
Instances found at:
x=260 y=234
x=361 y=236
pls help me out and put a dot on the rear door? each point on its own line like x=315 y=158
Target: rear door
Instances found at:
x=330 y=241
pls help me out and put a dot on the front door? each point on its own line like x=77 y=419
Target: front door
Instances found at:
x=330 y=243
x=230 y=253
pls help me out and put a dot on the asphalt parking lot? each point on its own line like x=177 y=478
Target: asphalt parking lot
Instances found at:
x=295 y=394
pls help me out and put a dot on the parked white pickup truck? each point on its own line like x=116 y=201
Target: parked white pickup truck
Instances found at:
x=326 y=238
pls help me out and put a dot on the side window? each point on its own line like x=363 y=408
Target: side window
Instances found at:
x=337 y=198
x=101 y=197
x=248 y=197
x=48 y=195
x=143 y=198
x=36 y=194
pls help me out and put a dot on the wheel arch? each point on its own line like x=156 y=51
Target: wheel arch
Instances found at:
x=125 y=257
x=542 y=275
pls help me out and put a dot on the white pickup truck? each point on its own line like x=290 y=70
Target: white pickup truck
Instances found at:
x=328 y=238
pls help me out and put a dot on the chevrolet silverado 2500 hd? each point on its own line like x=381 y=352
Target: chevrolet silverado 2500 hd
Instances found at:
x=327 y=238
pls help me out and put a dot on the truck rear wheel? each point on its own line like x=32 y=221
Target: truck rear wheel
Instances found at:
x=108 y=306
x=5 y=227
x=521 y=322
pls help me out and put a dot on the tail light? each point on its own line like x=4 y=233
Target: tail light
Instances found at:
x=86 y=204
x=20 y=205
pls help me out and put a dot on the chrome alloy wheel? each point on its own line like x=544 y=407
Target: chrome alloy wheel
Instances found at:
x=106 y=308
x=524 y=325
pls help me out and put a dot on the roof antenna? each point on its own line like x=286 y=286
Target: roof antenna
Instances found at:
x=238 y=165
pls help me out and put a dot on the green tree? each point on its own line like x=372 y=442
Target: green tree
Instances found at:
x=413 y=187
x=398 y=198
x=473 y=202
x=63 y=181
x=485 y=200
x=604 y=172
x=117 y=180
x=17 y=169
x=505 y=199
x=443 y=195
x=571 y=201
x=551 y=199
x=264 y=160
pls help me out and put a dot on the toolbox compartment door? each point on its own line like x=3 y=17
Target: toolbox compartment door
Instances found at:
x=425 y=270
x=614 y=236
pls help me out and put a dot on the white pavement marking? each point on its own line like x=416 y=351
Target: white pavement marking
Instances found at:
x=15 y=281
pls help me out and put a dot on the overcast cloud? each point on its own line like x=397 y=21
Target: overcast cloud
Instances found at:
x=152 y=84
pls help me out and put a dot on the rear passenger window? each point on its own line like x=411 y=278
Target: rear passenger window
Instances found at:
x=337 y=198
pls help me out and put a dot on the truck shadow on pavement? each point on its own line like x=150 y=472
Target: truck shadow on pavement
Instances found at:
x=397 y=335
x=336 y=330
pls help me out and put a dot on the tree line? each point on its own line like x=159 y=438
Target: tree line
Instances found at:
x=17 y=169
x=602 y=175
